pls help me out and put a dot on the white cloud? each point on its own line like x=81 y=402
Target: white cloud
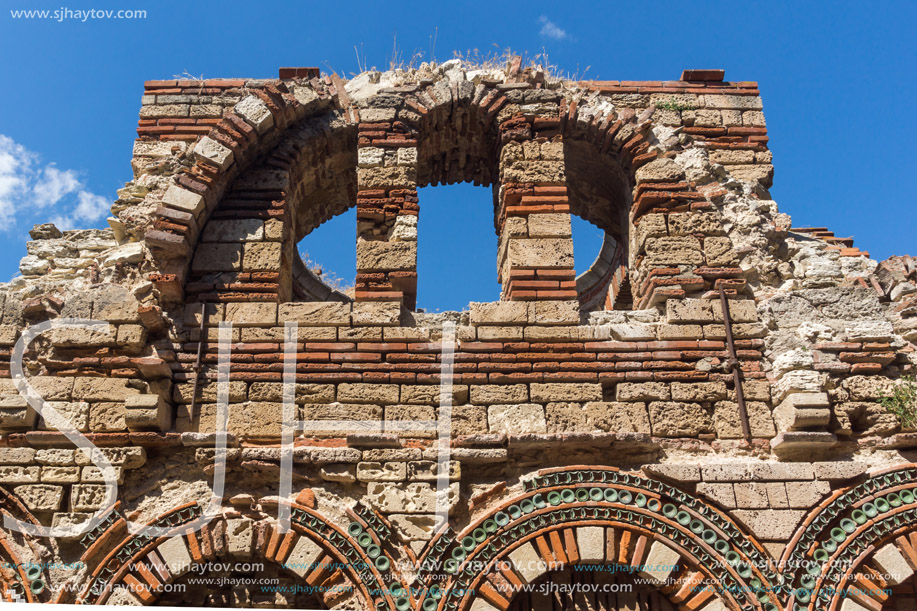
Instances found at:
x=550 y=29
x=27 y=187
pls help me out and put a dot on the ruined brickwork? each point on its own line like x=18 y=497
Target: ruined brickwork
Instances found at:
x=621 y=416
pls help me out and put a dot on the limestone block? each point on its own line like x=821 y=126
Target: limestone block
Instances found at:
x=342 y=474
x=382 y=394
x=252 y=314
x=427 y=470
x=132 y=457
x=801 y=410
x=409 y=498
x=102 y=389
x=540 y=253
x=642 y=391
x=558 y=391
x=718 y=251
x=16 y=414
x=770 y=524
x=237 y=230
x=516 y=419
x=240 y=536
x=391 y=177
x=87 y=497
x=534 y=171
x=94 y=475
x=16 y=456
x=207 y=393
x=217 y=257
x=554 y=313
x=689 y=311
x=175 y=555
x=303 y=556
x=650 y=226
x=690 y=223
x=401 y=413
x=528 y=564
x=839 y=471
x=893 y=564
x=797 y=381
x=868 y=388
x=60 y=475
x=549 y=225
x=590 y=540
x=724 y=494
x=660 y=170
x=699 y=391
x=382 y=472
x=145 y=412
x=19 y=475
x=376 y=313
x=760 y=172
x=739 y=102
x=740 y=311
x=672 y=419
x=209 y=150
x=431 y=394
x=489 y=394
x=727 y=424
x=661 y=561
x=673 y=251
x=262 y=256
x=499 y=313
x=305 y=393
x=370 y=156
x=248 y=420
x=413 y=527
x=864 y=418
x=55 y=457
x=596 y=416
x=315 y=314
x=469 y=420
x=255 y=112
x=803 y=495
x=751 y=495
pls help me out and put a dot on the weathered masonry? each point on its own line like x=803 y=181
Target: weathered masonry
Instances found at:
x=702 y=405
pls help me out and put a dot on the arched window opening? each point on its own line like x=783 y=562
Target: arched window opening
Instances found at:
x=600 y=197
x=456 y=247
x=326 y=266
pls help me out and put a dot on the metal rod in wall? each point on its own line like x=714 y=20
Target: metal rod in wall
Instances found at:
x=734 y=365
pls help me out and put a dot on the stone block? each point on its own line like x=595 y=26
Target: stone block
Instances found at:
x=132 y=457
x=19 y=475
x=549 y=225
x=596 y=416
x=489 y=394
x=238 y=230
x=60 y=475
x=540 y=253
x=554 y=313
x=315 y=314
x=413 y=527
x=381 y=472
x=217 y=257
x=94 y=475
x=387 y=177
x=558 y=391
x=87 y=497
x=181 y=199
x=262 y=256
x=102 y=389
x=175 y=555
x=499 y=313
x=892 y=564
x=724 y=494
x=673 y=250
x=406 y=498
x=55 y=457
x=803 y=495
x=516 y=419
x=255 y=112
x=376 y=313
x=728 y=425
x=469 y=420
x=240 y=536
x=689 y=311
x=427 y=470
x=770 y=524
x=252 y=314
x=660 y=562
x=209 y=150
x=303 y=557
x=699 y=391
x=528 y=563
x=380 y=394
x=673 y=419
x=147 y=412
x=718 y=251
x=751 y=495
x=341 y=474
x=16 y=456
x=642 y=391
x=801 y=410
x=16 y=414
x=738 y=102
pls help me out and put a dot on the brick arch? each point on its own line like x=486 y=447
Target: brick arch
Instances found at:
x=247 y=248
x=598 y=515
x=869 y=528
x=315 y=550
x=17 y=582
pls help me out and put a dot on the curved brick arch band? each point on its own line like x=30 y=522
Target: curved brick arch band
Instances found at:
x=317 y=552
x=871 y=522
x=21 y=579
x=600 y=515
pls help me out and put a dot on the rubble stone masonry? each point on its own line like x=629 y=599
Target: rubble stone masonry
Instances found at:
x=702 y=404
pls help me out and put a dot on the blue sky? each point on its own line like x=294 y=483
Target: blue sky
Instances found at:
x=837 y=79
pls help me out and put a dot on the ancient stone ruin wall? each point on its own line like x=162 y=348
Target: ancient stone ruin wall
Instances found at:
x=594 y=419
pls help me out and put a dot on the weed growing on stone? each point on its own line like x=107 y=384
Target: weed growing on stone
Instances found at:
x=903 y=402
x=673 y=104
